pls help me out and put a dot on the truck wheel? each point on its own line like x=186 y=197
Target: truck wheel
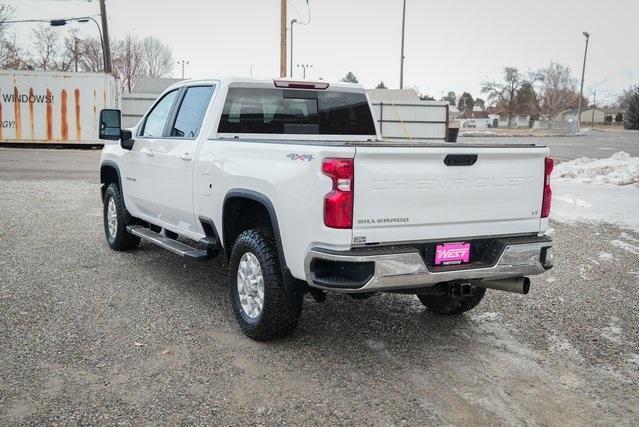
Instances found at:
x=116 y=218
x=447 y=304
x=263 y=308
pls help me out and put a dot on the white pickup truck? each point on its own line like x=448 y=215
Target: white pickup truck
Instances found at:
x=291 y=182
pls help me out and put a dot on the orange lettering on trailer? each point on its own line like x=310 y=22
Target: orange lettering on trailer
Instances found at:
x=64 y=125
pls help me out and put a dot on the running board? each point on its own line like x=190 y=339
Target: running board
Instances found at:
x=171 y=245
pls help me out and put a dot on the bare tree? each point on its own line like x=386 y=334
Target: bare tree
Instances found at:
x=558 y=90
x=72 y=51
x=505 y=94
x=128 y=61
x=91 y=57
x=158 y=58
x=46 y=49
x=12 y=56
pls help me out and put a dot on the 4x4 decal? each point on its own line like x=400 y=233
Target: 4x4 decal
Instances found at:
x=302 y=157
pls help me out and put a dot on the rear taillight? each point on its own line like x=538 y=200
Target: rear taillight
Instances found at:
x=545 y=202
x=338 y=204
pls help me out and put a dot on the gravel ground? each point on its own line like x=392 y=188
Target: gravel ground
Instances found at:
x=92 y=336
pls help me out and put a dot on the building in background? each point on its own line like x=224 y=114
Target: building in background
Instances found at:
x=142 y=96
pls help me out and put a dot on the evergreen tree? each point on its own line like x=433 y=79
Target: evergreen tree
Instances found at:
x=631 y=112
x=466 y=102
x=451 y=98
x=381 y=85
x=350 y=78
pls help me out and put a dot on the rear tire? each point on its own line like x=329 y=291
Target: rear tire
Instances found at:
x=448 y=304
x=262 y=307
x=116 y=218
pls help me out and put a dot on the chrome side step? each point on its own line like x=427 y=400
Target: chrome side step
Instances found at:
x=172 y=245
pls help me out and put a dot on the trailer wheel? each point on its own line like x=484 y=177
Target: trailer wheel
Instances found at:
x=448 y=304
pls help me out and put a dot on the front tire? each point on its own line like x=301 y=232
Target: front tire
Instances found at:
x=450 y=305
x=116 y=218
x=262 y=307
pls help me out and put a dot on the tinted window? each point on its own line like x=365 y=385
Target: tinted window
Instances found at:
x=189 y=118
x=289 y=111
x=156 y=120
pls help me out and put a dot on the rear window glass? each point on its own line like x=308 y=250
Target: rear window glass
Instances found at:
x=290 y=111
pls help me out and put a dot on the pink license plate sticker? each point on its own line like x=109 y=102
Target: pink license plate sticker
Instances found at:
x=452 y=253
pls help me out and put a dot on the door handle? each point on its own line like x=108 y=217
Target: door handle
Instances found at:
x=460 y=159
x=149 y=153
x=186 y=156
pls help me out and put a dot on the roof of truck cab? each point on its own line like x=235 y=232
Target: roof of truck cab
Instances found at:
x=262 y=81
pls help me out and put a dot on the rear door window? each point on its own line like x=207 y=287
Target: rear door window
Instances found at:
x=290 y=111
x=191 y=113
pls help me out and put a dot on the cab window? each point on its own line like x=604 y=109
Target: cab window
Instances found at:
x=191 y=113
x=156 y=119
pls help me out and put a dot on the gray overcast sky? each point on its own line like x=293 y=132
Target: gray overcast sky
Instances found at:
x=450 y=45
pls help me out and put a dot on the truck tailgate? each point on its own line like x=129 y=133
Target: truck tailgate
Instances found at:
x=441 y=192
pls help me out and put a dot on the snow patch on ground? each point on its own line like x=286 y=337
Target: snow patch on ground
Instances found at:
x=620 y=169
x=612 y=333
x=625 y=246
x=485 y=317
x=605 y=256
x=587 y=202
x=559 y=344
x=597 y=190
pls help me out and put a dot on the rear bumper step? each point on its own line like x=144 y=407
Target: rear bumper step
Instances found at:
x=382 y=270
x=169 y=244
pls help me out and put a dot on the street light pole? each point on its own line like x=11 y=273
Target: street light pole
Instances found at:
x=583 y=73
x=283 y=20
x=183 y=62
x=304 y=67
x=293 y=21
x=401 y=66
x=106 y=46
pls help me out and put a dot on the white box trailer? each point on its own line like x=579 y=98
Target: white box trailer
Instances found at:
x=412 y=121
x=54 y=107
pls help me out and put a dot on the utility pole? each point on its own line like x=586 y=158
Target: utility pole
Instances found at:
x=283 y=21
x=75 y=51
x=293 y=21
x=401 y=65
x=583 y=73
x=594 y=105
x=108 y=67
x=183 y=63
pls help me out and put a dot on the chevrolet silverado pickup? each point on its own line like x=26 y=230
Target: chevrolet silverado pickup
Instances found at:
x=291 y=183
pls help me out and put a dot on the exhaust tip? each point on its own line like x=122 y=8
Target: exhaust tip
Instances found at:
x=525 y=287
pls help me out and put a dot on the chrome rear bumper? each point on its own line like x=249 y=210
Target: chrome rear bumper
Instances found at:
x=404 y=268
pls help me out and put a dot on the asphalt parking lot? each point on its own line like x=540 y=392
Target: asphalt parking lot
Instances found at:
x=92 y=336
x=596 y=144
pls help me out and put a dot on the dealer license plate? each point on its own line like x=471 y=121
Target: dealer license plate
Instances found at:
x=452 y=253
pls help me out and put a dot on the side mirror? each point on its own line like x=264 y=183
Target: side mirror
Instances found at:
x=110 y=125
x=111 y=128
x=126 y=140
